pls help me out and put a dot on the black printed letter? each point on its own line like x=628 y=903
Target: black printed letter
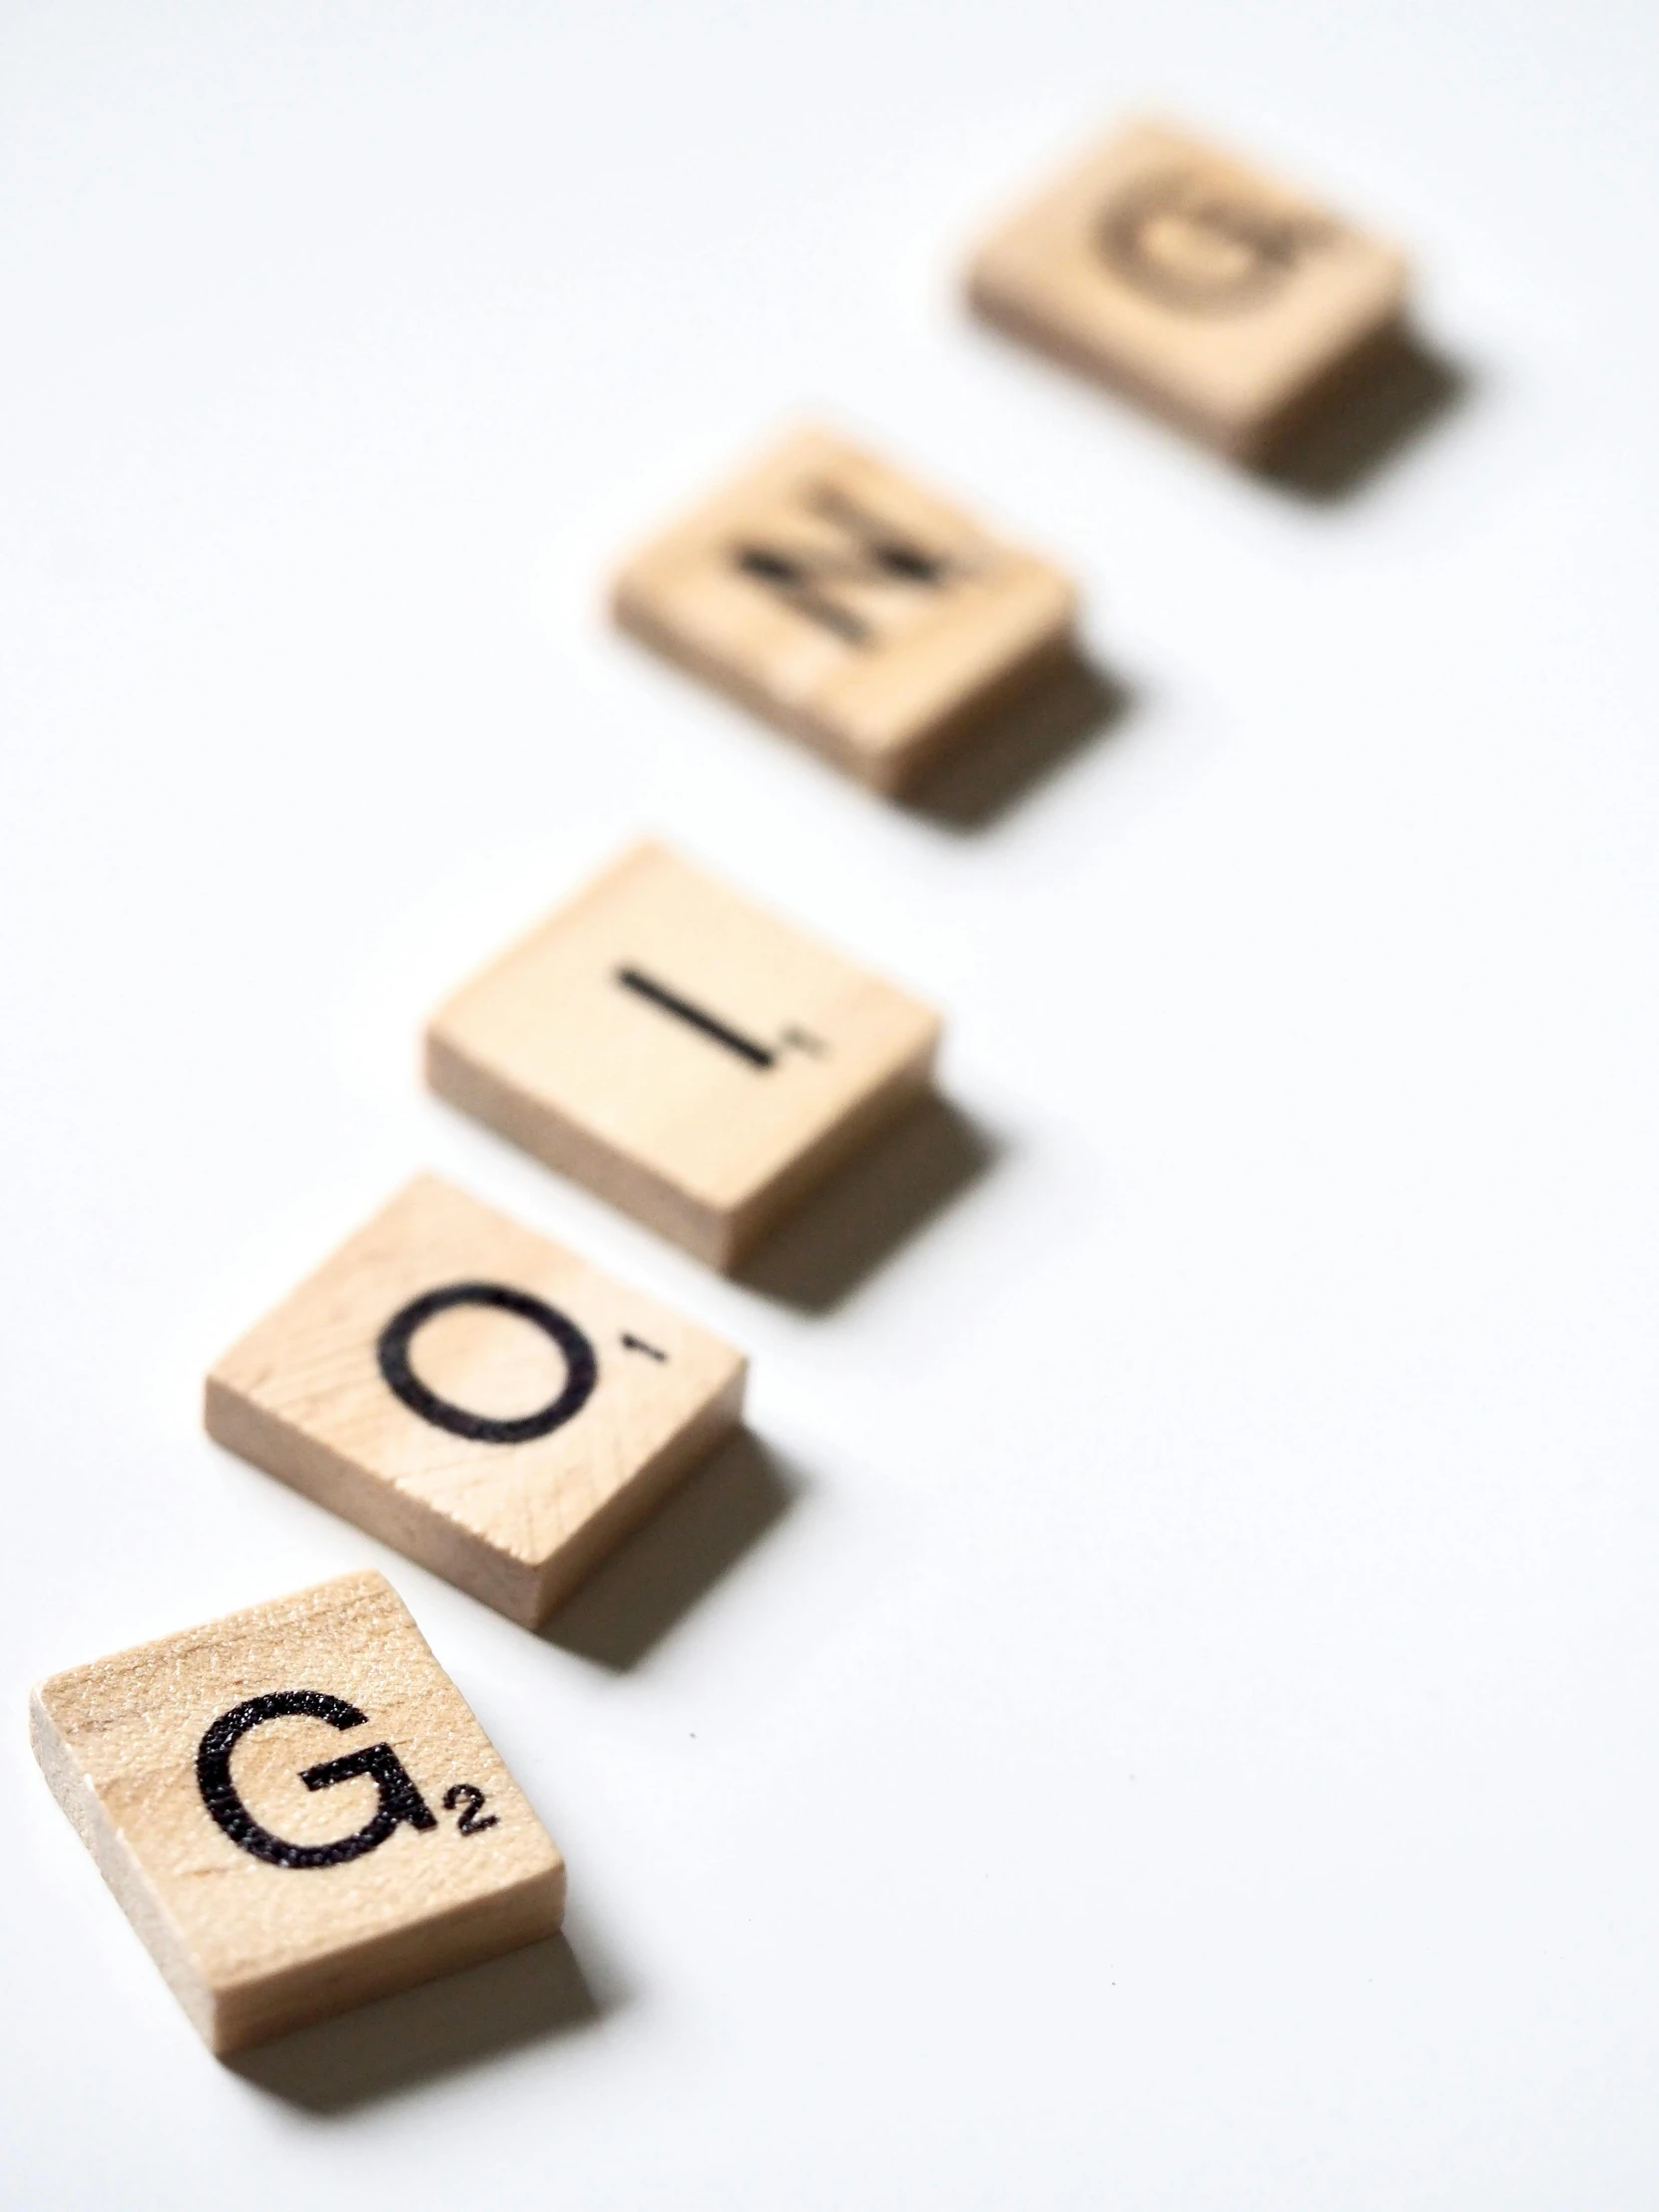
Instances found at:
x=399 y=1798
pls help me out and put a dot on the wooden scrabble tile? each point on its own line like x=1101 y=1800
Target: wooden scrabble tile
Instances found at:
x=1215 y=295
x=691 y=1059
x=479 y=1398
x=296 y=1810
x=850 y=606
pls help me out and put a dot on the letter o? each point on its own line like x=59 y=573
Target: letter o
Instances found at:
x=580 y=1365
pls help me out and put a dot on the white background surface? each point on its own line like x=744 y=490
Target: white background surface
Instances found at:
x=1187 y=1732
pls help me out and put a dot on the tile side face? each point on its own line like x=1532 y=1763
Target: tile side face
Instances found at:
x=690 y=1058
x=847 y=605
x=297 y=1809
x=477 y=1396
x=1212 y=293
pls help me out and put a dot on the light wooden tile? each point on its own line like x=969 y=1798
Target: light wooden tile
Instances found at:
x=296 y=1810
x=477 y=1395
x=688 y=1056
x=1214 y=293
x=850 y=606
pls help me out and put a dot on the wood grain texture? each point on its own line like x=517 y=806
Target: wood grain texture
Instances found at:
x=850 y=606
x=516 y=1519
x=1216 y=295
x=562 y=1046
x=250 y=1946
